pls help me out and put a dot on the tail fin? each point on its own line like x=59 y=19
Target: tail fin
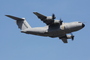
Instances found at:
x=21 y=22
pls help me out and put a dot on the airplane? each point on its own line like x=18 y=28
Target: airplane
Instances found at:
x=54 y=28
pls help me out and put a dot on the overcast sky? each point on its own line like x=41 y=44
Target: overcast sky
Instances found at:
x=15 y=45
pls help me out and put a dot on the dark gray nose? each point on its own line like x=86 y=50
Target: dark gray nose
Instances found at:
x=83 y=25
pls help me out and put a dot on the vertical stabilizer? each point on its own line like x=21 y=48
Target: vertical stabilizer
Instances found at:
x=21 y=22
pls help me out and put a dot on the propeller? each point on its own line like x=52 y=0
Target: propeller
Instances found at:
x=53 y=16
x=72 y=36
x=61 y=21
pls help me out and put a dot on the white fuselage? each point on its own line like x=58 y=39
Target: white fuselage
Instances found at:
x=55 y=31
x=54 y=28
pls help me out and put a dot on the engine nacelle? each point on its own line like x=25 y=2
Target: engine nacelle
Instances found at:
x=68 y=37
x=49 y=18
x=52 y=21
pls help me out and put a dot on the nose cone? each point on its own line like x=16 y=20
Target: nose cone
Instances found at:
x=83 y=25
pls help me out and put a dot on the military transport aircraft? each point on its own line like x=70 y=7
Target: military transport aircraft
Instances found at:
x=54 y=28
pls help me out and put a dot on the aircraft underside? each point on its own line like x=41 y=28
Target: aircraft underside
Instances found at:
x=54 y=28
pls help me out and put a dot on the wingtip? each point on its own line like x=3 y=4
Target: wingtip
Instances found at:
x=35 y=12
x=7 y=15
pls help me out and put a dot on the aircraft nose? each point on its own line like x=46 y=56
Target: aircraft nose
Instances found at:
x=83 y=25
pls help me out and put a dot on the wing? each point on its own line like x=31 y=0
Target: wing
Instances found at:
x=40 y=16
x=64 y=40
x=45 y=19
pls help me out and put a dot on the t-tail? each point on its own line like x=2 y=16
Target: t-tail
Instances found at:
x=21 y=22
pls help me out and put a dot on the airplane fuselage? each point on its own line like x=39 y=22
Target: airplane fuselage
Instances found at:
x=53 y=28
x=56 y=30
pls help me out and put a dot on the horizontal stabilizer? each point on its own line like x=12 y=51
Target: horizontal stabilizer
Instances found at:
x=15 y=18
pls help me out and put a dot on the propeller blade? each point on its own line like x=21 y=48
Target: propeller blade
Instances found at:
x=72 y=36
x=53 y=16
x=61 y=21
